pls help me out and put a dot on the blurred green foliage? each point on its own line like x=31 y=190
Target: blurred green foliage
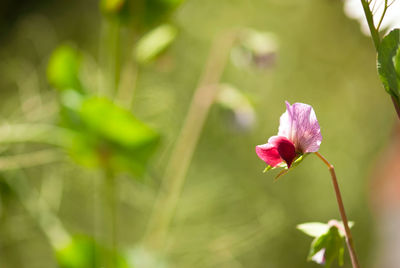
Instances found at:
x=154 y=43
x=85 y=252
x=63 y=68
x=231 y=214
x=141 y=14
x=110 y=137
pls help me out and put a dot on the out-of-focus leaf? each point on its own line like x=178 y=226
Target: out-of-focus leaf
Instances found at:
x=143 y=15
x=233 y=100
x=328 y=243
x=110 y=136
x=142 y=257
x=316 y=229
x=111 y=6
x=388 y=63
x=256 y=49
x=327 y=247
x=158 y=10
x=84 y=252
x=63 y=68
x=154 y=43
x=313 y=229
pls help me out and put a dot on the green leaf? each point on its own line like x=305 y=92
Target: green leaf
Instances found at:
x=396 y=61
x=313 y=229
x=154 y=43
x=108 y=136
x=333 y=245
x=85 y=252
x=388 y=63
x=63 y=68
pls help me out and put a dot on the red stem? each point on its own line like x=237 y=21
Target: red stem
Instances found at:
x=349 y=238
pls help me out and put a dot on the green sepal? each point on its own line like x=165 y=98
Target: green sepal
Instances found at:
x=283 y=165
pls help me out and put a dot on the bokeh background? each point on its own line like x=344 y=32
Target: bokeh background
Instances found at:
x=230 y=213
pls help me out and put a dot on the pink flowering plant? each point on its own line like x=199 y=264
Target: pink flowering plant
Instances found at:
x=299 y=135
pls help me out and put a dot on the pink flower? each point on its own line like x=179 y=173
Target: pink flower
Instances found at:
x=299 y=133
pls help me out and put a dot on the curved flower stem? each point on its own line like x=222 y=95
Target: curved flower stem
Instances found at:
x=349 y=238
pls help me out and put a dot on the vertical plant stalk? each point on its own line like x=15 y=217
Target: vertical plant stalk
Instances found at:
x=109 y=58
x=126 y=89
x=349 y=238
x=371 y=25
x=112 y=195
x=186 y=143
x=376 y=38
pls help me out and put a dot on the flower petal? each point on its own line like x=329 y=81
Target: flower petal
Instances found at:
x=269 y=154
x=285 y=147
x=319 y=257
x=300 y=125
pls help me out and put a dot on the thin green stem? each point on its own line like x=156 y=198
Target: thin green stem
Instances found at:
x=371 y=25
x=383 y=15
x=185 y=146
x=349 y=238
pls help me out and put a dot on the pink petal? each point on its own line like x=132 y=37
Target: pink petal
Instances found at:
x=285 y=147
x=269 y=154
x=300 y=125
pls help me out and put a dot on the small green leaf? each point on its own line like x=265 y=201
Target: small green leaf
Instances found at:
x=313 y=229
x=85 y=252
x=388 y=63
x=267 y=168
x=154 y=43
x=63 y=68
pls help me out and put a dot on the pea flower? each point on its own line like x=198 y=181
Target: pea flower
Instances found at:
x=299 y=133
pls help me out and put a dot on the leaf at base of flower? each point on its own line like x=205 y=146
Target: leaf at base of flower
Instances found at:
x=283 y=165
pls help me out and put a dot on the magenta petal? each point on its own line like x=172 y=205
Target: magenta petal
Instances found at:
x=285 y=147
x=269 y=154
x=300 y=125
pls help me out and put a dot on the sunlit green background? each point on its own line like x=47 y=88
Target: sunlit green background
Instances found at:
x=230 y=213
